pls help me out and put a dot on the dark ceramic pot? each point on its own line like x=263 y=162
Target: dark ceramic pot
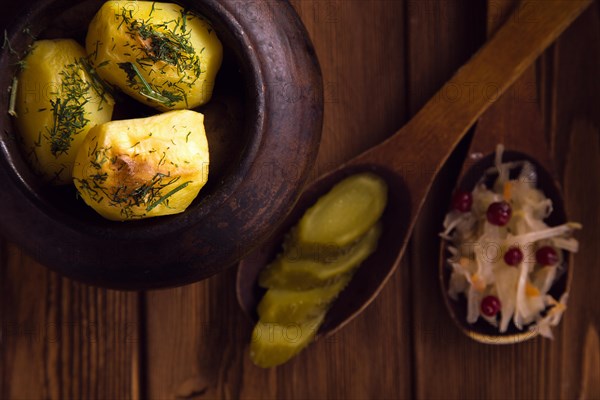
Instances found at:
x=263 y=123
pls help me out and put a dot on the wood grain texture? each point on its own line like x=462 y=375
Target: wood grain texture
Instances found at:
x=512 y=116
x=581 y=369
x=573 y=124
x=194 y=339
x=61 y=339
x=574 y=81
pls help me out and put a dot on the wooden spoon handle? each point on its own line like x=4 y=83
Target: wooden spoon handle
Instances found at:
x=427 y=140
x=515 y=120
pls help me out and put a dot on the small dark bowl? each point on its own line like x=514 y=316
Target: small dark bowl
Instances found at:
x=263 y=125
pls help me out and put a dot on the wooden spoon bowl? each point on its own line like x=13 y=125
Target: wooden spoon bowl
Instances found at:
x=368 y=279
x=411 y=158
x=481 y=330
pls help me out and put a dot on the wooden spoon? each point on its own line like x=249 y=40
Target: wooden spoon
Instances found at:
x=516 y=122
x=411 y=158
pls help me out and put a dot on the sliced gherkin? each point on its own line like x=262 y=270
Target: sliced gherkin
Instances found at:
x=275 y=343
x=305 y=273
x=345 y=213
x=296 y=306
x=320 y=255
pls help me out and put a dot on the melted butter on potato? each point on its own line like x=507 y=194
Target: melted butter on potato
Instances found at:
x=56 y=105
x=143 y=167
x=158 y=53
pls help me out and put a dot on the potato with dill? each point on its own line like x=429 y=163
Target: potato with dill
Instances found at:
x=144 y=167
x=56 y=104
x=157 y=53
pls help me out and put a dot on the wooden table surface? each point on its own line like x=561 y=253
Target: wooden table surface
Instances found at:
x=381 y=60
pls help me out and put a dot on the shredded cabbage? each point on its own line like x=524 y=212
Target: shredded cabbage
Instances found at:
x=477 y=248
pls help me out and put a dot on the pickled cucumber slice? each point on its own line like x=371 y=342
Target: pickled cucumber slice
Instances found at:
x=301 y=274
x=293 y=306
x=274 y=344
x=344 y=214
x=318 y=260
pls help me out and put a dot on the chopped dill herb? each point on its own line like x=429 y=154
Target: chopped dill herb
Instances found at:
x=100 y=86
x=68 y=109
x=13 y=98
x=6 y=44
x=162 y=159
x=165 y=97
x=57 y=174
x=95 y=53
x=166 y=196
x=27 y=31
x=184 y=20
x=161 y=43
x=134 y=198
x=154 y=8
x=21 y=64
x=156 y=45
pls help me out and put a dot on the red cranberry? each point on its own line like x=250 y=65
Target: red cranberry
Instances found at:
x=462 y=201
x=499 y=213
x=513 y=256
x=490 y=306
x=546 y=256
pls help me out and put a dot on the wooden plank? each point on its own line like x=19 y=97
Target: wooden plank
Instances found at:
x=576 y=86
x=195 y=338
x=443 y=34
x=576 y=144
x=198 y=339
x=581 y=353
x=61 y=339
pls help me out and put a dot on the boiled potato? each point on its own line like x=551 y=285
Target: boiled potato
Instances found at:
x=145 y=167
x=157 y=53
x=57 y=102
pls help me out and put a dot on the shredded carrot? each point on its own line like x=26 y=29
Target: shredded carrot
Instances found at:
x=477 y=282
x=507 y=191
x=531 y=291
